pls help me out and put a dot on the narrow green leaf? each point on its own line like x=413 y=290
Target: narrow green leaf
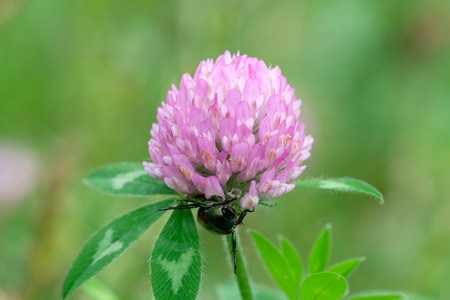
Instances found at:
x=276 y=264
x=378 y=296
x=323 y=286
x=109 y=242
x=176 y=261
x=411 y=296
x=126 y=180
x=346 y=267
x=319 y=257
x=345 y=184
x=98 y=291
x=293 y=259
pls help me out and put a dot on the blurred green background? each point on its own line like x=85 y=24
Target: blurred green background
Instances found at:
x=80 y=82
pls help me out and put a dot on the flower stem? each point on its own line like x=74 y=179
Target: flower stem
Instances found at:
x=241 y=270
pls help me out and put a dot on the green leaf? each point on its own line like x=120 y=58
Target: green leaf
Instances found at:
x=109 y=242
x=276 y=264
x=319 y=257
x=345 y=184
x=176 y=262
x=98 y=291
x=323 y=286
x=126 y=180
x=378 y=296
x=293 y=259
x=346 y=267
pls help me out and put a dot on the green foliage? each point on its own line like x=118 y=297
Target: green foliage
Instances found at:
x=277 y=264
x=321 y=251
x=286 y=267
x=323 y=286
x=345 y=184
x=126 y=180
x=176 y=260
x=109 y=242
x=82 y=78
x=346 y=267
x=97 y=291
x=294 y=259
x=379 y=296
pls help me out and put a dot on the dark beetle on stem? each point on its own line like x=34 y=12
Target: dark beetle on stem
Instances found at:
x=218 y=217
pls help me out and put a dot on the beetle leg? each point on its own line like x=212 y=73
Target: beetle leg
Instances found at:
x=210 y=206
x=187 y=206
x=233 y=250
x=225 y=202
x=241 y=217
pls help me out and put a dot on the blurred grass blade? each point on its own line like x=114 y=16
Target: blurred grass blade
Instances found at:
x=378 y=296
x=176 y=261
x=323 y=286
x=109 y=242
x=345 y=184
x=411 y=296
x=293 y=259
x=276 y=264
x=126 y=180
x=346 y=267
x=98 y=291
x=319 y=257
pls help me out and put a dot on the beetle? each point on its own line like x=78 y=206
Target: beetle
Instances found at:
x=218 y=217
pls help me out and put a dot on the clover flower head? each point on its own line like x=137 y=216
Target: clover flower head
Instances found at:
x=230 y=131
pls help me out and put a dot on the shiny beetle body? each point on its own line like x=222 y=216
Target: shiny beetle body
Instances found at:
x=217 y=217
x=221 y=220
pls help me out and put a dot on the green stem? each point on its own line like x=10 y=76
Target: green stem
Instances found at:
x=241 y=270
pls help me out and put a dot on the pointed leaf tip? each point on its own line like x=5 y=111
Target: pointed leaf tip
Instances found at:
x=344 y=184
x=346 y=267
x=319 y=257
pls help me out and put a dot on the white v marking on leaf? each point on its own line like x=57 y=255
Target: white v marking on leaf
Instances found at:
x=120 y=180
x=106 y=246
x=176 y=270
